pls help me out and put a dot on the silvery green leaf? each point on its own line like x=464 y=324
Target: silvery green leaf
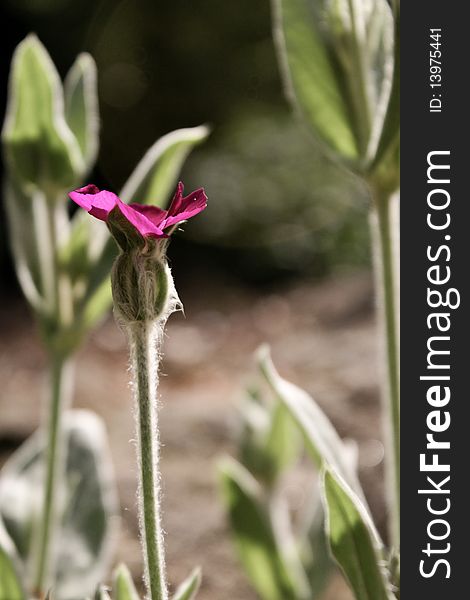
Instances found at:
x=336 y=57
x=387 y=147
x=354 y=541
x=23 y=239
x=322 y=441
x=40 y=149
x=310 y=77
x=190 y=586
x=155 y=176
x=253 y=535
x=317 y=561
x=88 y=504
x=81 y=106
x=11 y=587
x=123 y=586
x=283 y=443
x=102 y=593
x=269 y=441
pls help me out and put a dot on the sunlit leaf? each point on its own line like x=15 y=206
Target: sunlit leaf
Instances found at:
x=322 y=441
x=254 y=538
x=10 y=585
x=81 y=106
x=156 y=175
x=40 y=149
x=310 y=75
x=388 y=143
x=190 y=586
x=102 y=593
x=336 y=60
x=123 y=586
x=354 y=541
x=83 y=549
x=282 y=441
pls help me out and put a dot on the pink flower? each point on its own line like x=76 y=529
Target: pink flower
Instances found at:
x=147 y=220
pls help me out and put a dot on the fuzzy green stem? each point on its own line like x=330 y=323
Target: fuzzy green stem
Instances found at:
x=60 y=383
x=144 y=339
x=387 y=287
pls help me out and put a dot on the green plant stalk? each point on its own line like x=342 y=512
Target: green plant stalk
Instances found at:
x=144 y=340
x=61 y=380
x=387 y=292
x=58 y=305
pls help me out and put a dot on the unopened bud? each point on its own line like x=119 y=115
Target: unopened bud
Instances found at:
x=141 y=286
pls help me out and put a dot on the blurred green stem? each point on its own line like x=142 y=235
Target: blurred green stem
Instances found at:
x=144 y=341
x=51 y=224
x=60 y=386
x=384 y=240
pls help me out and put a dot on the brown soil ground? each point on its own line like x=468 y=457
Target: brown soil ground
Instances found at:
x=322 y=337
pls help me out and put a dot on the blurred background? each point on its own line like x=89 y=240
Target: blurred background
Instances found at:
x=281 y=255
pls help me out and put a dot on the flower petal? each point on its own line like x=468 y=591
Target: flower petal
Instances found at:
x=182 y=209
x=97 y=203
x=153 y=213
x=141 y=222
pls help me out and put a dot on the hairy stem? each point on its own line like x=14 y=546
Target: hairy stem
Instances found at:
x=145 y=339
x=387 y=292
x=60 y=386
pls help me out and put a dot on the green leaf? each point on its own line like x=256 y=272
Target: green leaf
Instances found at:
x=20 y=211
x=254 y=538
x=190 y=586
x=388 y=144
x=155 y=176
x=89 y=503
x=282 y=441
x=102 y=593
x=310 y=76
x=353 y=541
x=81 y=106
x=269 y=440
x=322 y=441
x=123 y=587
x=336 y=59
x=10 y=584
x=40 y=149
x=316 y=558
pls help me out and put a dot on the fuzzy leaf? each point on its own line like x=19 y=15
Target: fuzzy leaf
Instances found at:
x=40 y=149
x=155 y=176
x=190 y=586
x=336 y=59
x=89 y=503
x=254 y=538
x=81 y=106
x=390 y=134
x=353 y=541
x=10 y=584
x=102 y=593
x=269 y=441
x=20 y=211
x=123 y=587
x=322 y=441
x=282 y=441
x=310 y=75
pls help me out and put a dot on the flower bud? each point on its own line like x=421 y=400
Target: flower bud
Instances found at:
x=141 y=284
